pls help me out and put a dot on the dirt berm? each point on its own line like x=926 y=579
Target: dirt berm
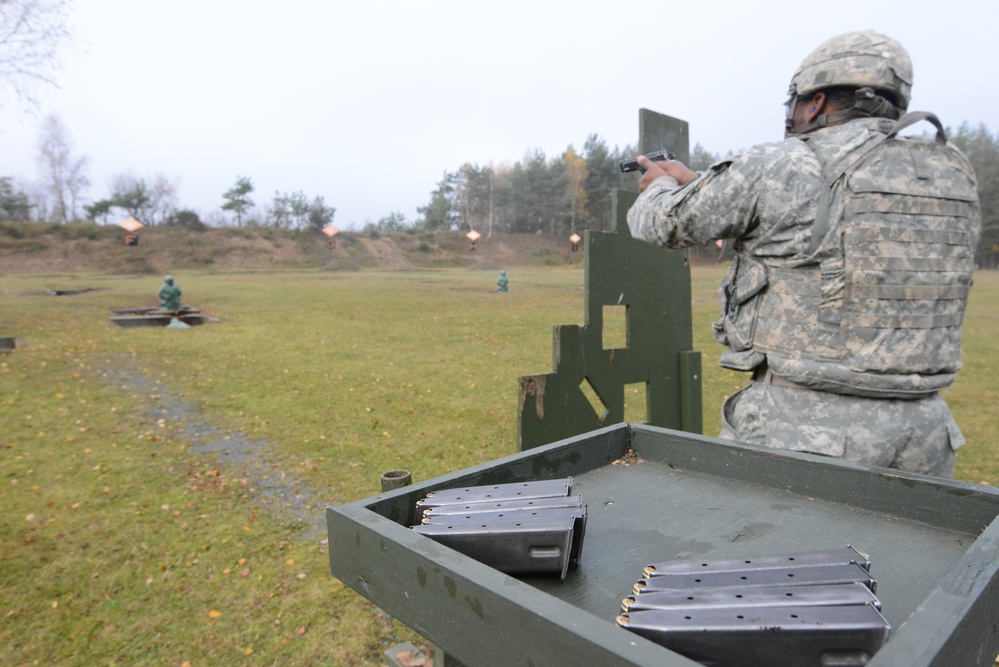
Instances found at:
x=40 y=248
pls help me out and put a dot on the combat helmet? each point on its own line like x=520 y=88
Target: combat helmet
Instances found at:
x=866 y=60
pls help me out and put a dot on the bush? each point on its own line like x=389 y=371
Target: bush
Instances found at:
x=13 y=230
x=238 y=232
x=83 y=230
x=186 y=219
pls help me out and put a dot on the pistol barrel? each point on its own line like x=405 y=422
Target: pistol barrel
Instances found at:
x=658 y=156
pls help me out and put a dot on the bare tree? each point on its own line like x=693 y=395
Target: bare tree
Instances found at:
x=64 y=177
x=163 y=198
x=279 y=211
x=151 y=201
x=32 y=33
x=39 y=201
x=575 y=167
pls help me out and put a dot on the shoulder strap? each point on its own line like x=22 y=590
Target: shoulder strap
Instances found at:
x=914 y=117
x=820 y=229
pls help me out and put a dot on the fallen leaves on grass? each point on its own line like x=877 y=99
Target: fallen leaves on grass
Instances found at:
x=413 y=659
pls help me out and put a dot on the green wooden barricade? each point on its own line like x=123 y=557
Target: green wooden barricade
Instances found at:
x=645 y=287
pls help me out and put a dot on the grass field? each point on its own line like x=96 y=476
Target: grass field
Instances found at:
x=128 y=536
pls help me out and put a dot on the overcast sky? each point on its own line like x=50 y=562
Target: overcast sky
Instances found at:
x=368 y=102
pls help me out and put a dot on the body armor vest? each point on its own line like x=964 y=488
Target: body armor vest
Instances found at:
x=876 y=307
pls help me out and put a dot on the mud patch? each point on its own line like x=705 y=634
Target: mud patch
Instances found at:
x=236 y=453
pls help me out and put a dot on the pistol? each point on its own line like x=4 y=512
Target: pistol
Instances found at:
x=659 y=156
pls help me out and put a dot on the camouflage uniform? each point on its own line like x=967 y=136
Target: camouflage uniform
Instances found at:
x=783 y=301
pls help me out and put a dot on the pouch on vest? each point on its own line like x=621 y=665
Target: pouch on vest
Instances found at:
x=739 y=292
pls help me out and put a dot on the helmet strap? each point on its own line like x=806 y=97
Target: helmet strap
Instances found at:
x=867 y=104
x=792 y=102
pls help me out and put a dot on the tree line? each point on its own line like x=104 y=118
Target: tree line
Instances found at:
x=288 y=210
x=60 y=195
x=551 y=195
x=569 y=192
x=556 y=195
x=982 y=148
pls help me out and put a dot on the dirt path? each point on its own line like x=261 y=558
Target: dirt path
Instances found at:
x=240 y=455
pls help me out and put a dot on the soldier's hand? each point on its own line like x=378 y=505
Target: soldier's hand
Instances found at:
x=653 y=170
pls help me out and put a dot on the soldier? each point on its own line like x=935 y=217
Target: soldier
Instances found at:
x=854 y=254
x=169 y=295
x=502 y=283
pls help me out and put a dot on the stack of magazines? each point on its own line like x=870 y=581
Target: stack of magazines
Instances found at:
x=806 y=609
x=518 y=528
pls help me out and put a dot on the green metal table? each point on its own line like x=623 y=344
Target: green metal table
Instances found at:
x=933 y=543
